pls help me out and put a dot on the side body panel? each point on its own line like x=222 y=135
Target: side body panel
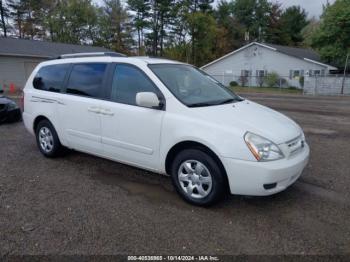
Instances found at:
x=131 y=134
x=80 y=122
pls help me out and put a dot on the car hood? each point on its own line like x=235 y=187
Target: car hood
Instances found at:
x=5 y=100
x=249 y=116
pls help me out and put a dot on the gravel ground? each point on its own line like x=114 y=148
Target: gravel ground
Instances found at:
x=80 y=204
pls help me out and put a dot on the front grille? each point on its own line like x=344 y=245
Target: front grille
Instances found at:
x=2 y=107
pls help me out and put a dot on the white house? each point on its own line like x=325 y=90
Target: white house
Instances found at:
x=249 y=64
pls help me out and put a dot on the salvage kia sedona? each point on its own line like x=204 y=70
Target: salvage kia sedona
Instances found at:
x=167 y=117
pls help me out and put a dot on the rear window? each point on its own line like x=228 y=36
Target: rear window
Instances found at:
x=51 y=78
x=86 y=79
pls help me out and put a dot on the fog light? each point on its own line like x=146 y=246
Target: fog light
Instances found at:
x=270 y=186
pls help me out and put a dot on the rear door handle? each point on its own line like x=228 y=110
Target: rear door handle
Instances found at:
x=106 y=112
x=94 y=109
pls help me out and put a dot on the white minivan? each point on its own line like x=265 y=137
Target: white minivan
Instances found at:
x=167 y=117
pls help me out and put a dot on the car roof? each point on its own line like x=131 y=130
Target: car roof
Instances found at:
x=110 y=59
x=156 y=60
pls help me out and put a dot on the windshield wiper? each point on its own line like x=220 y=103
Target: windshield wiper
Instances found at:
x=231 y=100
x=201 y=104
x=226 y=101
x=215 y=103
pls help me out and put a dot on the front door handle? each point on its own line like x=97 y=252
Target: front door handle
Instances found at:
x=106 y=112
x=94 y=109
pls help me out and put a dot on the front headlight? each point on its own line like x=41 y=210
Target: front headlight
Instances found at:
x=12 y=106
x=262 y=148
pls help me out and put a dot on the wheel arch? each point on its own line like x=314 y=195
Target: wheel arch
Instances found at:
x=41 y=117
x=38 y=119
x=188 y=144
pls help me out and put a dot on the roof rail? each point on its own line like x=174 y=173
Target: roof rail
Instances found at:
x=152 y=56
x=92 y=54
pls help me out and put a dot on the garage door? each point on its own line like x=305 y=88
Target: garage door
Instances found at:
x=15 y=72
x=29 y=67
x=11 y=72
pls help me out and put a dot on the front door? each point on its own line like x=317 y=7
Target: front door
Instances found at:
x=130 y=133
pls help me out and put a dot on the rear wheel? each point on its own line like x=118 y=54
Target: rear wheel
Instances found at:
x=198 y=178
x=47 y=139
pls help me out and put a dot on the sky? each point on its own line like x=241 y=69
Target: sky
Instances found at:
x=313 y=7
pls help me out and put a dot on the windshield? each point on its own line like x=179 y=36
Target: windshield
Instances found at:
x=192 y=86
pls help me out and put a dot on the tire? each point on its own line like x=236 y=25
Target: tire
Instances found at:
x=206 y=182
x=46 y=135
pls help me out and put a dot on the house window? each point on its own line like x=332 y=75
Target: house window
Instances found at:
x=261 y=73
x=246 y=73
x=317 y=72
x=295 y=73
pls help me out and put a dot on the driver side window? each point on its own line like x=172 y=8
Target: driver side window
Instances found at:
x=127 y=82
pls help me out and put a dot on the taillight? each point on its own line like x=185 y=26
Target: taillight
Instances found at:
x=22 y=101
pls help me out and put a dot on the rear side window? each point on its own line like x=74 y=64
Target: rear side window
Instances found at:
x=86 y=79
x=127 y=82
x=51 y=78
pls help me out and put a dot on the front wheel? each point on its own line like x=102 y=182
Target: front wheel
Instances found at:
x=198 y=178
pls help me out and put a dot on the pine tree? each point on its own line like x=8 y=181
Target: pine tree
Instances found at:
x=160 y=19
x=140 y=20
x=114 y=27
x=4 y=14
x=293 y=20
x=17 y=13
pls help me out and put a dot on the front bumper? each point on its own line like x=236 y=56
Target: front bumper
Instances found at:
x=10 y=116
x=249 y=178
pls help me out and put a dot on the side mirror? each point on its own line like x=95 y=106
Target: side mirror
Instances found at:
x=148 y=99
x=1 y=91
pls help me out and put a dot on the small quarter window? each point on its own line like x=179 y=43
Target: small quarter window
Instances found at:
x=50 y=78
x=86 y=79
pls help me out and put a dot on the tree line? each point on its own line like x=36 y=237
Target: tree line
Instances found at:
x=194 y=31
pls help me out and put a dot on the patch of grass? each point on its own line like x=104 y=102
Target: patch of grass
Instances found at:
x=268 y=90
